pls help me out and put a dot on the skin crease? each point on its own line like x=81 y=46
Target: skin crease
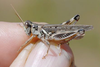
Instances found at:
x=13 y=33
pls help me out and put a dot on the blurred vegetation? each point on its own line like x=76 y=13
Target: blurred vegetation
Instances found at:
x=86 y=50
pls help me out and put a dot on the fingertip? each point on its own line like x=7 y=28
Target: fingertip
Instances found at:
x=11 y=37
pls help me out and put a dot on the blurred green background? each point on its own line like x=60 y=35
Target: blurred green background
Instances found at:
x=86 y=50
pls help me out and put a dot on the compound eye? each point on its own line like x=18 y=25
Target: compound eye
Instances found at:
x=28 y=23
x=81 y=31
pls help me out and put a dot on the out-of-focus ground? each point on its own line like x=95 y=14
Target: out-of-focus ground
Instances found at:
x=86 y=50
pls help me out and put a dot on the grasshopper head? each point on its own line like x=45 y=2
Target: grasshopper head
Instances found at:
x=28 y=25
x=31 y=28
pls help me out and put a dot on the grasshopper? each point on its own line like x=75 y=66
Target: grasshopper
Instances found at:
x=59 y=33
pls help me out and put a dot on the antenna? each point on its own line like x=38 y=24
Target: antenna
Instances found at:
x=17 y=14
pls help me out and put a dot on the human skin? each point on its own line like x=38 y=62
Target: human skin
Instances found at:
x=12 y=36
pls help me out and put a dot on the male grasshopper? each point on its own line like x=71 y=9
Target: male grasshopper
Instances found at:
x=59 y=33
